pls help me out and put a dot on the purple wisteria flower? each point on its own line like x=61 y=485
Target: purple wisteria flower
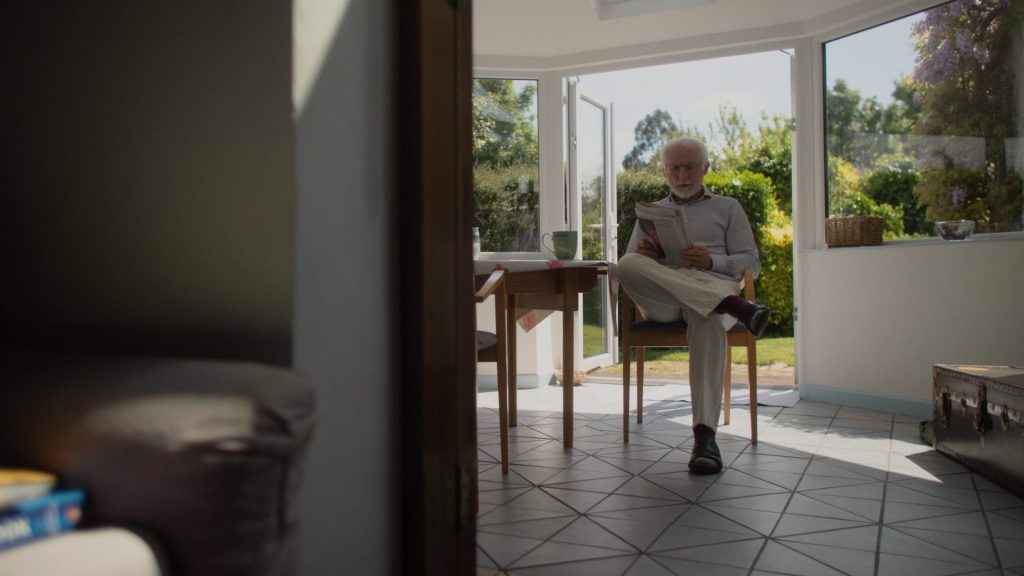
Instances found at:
x=958 y=196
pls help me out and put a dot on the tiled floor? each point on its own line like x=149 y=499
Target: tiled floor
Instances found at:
x=828 y=490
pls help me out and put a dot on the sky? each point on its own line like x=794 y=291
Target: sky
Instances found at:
x=754 y=83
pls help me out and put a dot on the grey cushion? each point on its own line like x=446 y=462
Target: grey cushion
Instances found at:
x=206 y=457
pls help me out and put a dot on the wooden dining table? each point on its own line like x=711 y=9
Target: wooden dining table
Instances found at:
x=535 y=288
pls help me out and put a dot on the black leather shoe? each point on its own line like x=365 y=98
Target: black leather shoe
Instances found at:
x=755 y=317
x=706 y=457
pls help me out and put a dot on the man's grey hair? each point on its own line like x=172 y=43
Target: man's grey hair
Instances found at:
x=686 y=142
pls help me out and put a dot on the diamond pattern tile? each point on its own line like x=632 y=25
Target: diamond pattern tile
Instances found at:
x=829 y=490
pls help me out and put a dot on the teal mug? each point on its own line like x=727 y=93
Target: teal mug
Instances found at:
x=563 y=244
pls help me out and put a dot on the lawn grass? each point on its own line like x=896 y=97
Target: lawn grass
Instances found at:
x=769 y=350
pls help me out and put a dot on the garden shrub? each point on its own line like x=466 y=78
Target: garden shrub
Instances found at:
x=506 y=208
x=959 y=193
x=893 y=184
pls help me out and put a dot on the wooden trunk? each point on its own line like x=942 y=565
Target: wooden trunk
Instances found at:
x=979 y=420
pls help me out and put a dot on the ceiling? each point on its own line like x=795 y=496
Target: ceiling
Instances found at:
x=556 y=33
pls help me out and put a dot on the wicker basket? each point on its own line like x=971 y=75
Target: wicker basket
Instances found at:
x=854 y=231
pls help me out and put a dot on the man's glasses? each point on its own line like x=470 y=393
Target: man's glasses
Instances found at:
x=688 y=168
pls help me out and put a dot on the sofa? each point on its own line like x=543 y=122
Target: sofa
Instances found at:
x=190 y=467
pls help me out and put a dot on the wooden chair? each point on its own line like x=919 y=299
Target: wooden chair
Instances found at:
x=641 y=334
x=492 y=347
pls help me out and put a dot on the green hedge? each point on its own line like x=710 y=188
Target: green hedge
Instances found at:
x=772 y=230
x=506 y=208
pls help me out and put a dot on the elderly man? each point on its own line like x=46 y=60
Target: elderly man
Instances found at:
x=704 y=292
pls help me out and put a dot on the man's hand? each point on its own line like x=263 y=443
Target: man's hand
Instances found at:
x=698 y=257
x=647 y=248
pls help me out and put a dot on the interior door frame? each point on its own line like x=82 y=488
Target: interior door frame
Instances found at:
x=436 y=349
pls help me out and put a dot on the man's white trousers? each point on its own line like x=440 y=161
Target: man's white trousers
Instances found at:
x=666 y=294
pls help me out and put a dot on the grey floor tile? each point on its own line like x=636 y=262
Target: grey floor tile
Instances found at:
x=676 y=461
x=647 y=566
x=791 y=525
x=615 y=502
x=641 y=486
x=738 y=554
x=721 y=491
x=969 y=523
x=533 y=474
x=805 y=505
x=503 y=549
x=560 y=553
x=862 y=538
x=896 y=512
x=894 y=542
x=781 y=559
x=602 y=567
x=761 y=521
x=579 y=500
x=901 y=565
x=767 y=449
x=484 y=562
x=502 y=495
x=998 y=500
x=765 y=502
x=865 y=491
x=535 y=529
x=921 y=492
x=1011 y=552
x=838 y=490
x=846 y=560
x=978 y=548
x=685 y=485
x=639 y=527
x=823 y=466
x=584 y=530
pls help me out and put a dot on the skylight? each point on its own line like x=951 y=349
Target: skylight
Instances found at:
x=609 y=9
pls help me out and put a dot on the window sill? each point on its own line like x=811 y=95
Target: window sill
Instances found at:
x=925 y=242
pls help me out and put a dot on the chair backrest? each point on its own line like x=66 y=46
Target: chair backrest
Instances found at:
x=491 y=346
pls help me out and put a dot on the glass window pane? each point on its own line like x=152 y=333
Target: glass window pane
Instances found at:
x=506 y=159
x=921 y=120
x=591 y=129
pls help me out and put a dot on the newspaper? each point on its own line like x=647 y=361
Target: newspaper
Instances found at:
x=666 y=228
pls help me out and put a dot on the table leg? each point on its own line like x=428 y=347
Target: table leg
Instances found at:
x=513 y=386
x=570 y=296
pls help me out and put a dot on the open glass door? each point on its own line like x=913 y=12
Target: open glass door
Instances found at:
x=592 y=212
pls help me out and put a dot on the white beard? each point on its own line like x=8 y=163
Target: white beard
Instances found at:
x=679 y=196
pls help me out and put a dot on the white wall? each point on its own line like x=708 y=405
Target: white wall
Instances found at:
x=148 y=177
x=875 y=319
x=343 y=312
x=535 y=351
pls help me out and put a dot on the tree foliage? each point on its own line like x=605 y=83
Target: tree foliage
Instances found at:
x=505 y=155
x=504 y=123
x=967 y=57
x=649 y=134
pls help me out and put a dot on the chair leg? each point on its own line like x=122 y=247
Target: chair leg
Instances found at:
x=727 y=388
x=640 y=385
x=626 y=352
x=752 y=374
x=503 y=385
